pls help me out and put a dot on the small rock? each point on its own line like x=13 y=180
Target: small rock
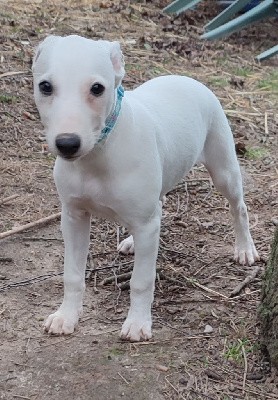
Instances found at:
x=255 y=376
x=208 y=329
x=165 y=233
x=274 y=220
x=207 y=225
x=240 y=148
x=181 y=223
x=27 y=115
x=232 y=387
x=162 y=368
x=213 y=375
x=183 y=381
x=172 y=310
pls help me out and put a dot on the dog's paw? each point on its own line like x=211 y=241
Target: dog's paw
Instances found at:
x=136 y=329
x=126 y=246
x=246 y=254
x=59 y=323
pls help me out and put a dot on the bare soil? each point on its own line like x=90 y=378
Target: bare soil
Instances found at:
x=206 y=344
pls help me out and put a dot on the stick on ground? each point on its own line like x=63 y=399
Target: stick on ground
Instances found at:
x=120 y=278
x=8 y=199
x=246 y=281
x=12 y=73
x=30 y=225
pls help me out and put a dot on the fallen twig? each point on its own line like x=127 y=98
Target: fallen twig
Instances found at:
x=260 y=394
x=175 y=389
x=245 y=367
x=124 y=278
x=256 y=222
x=6 y=259
x=91 y=271
x=123 y=378
x=40 y=278
x=246 y=281
x=172 y=280
x=266 y=123
x=124 y=285
x=30 y=225
x=12 y=73
x=29 y=281
x=120 y=278
x=40 y=238
x=7 y=199
x=243 y=113
x=194 y=283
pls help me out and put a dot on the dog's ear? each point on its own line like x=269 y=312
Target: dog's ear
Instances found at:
x=46 y=44
x=118 y=63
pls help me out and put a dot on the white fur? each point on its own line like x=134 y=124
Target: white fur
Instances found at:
x=165 y=126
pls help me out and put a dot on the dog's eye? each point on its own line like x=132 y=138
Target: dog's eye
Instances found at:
x=97 y=89
x=46 y=88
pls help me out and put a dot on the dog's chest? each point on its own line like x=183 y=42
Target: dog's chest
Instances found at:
x=94 y=194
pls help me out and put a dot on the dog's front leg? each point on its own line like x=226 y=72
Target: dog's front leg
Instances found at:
x=138 y=323
x=76 y=234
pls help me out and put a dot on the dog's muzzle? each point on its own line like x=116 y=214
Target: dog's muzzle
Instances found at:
x=68 y=144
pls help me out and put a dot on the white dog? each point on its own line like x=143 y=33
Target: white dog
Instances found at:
x=118 y=154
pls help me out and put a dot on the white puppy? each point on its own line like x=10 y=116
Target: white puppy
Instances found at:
x=117 y=156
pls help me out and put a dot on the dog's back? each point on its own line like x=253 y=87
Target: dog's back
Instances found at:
x=184 y=112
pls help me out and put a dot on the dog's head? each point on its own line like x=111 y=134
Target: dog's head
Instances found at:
x=74 y=86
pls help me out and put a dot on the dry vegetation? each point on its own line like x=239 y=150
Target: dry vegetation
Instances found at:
x=206 y=343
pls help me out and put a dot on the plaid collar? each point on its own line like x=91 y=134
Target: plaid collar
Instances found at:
x=112 y=118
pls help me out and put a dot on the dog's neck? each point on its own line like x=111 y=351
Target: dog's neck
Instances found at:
x=113 y=116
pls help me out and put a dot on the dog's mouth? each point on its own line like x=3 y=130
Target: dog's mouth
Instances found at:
x=68 y=158
x=74 y=157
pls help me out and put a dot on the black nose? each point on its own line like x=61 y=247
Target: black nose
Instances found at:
x=68 y=144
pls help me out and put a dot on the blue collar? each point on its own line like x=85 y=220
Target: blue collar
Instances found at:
x=112 y=118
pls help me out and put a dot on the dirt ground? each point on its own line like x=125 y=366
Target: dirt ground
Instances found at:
x=206 y=343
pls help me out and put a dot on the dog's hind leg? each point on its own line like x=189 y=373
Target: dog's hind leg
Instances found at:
x=221 y=161
x=146 y=239
x=127 y=245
